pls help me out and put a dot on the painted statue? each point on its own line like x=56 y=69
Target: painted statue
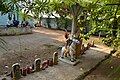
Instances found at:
x=69 y=49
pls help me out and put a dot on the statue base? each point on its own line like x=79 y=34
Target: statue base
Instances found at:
x=67 y=60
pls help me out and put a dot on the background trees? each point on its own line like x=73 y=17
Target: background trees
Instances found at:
x=14 y=7
x=3 y=7
x=100 y=15
x=73 y=9
x=39 y=8
x=105 y=16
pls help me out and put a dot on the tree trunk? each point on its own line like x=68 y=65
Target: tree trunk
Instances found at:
x=76 y=31
x=78 y=48
x=74 y=26
x=76 y=10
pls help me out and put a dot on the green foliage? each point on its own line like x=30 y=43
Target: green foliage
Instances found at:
x=104 y=17
x=116 y=43
x=24 y=15
x=64 y=23
x=84 y=36
x=39 y=6
x=59 y=7
x=108 y=41
x=11 y=7
x=3 y=7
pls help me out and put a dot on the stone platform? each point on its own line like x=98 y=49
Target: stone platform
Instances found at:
x=15 y=31
x=67 y=60
x=65 y=71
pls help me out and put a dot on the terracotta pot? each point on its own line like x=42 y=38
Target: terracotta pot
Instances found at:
x=51 y=62
x=43 y=66
x=28 y=70
x=24 y=72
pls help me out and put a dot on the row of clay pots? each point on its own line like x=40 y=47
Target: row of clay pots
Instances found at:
x=18 y=72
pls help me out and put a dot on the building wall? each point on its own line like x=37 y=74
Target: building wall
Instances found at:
x=52 y=22
x=54 y=25
x=3 y=20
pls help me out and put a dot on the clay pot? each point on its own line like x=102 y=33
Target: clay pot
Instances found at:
x=21 y=71
x=28 y=70
x=51 y=62
x=43 y=66
x=32 y=66
x=24 y=72
x=48 y=62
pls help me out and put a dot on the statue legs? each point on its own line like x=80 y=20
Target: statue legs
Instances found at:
x=62 y=52
x=72 y=57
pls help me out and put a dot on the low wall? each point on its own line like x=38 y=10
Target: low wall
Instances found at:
x=15 y=31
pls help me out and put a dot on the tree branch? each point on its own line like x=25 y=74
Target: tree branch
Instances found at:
x=113 y=4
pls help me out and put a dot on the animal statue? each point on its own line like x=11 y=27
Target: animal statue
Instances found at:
x=69 y=50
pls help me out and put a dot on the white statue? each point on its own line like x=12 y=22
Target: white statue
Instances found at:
x=69 y=49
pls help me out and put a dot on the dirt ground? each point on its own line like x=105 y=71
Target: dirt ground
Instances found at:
x=24 y=49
